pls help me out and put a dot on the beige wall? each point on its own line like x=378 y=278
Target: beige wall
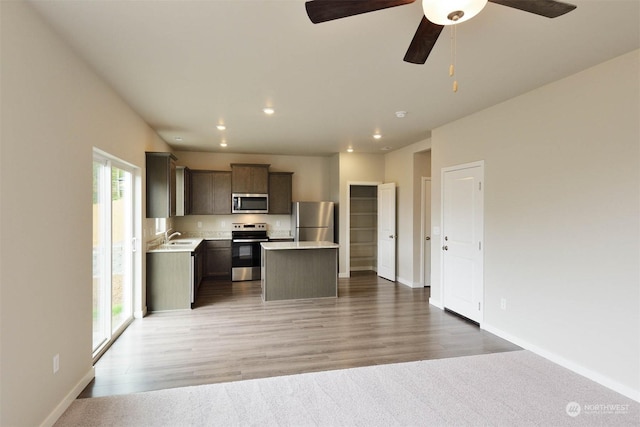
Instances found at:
x=54 y=110
x=561 y=216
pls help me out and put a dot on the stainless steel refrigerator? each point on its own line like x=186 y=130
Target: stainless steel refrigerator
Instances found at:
x=312 y=221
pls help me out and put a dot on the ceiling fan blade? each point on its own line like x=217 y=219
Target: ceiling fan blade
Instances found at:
x=547 y=8
x=328 y=10
x=423 y=41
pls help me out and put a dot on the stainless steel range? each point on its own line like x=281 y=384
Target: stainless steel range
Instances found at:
x=245 y=250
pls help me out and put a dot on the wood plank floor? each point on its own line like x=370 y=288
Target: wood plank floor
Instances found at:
x=232 y=335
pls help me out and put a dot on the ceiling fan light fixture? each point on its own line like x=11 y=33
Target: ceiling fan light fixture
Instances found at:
x=451 y=12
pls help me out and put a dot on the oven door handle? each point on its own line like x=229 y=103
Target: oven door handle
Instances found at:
x=249 y=240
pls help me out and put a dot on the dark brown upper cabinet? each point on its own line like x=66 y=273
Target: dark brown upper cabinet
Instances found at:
x=161 y=185
x=280 y=184
x=249 y=178
x=210 y=192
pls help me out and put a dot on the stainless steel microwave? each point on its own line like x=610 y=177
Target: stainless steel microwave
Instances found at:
x=249 y=203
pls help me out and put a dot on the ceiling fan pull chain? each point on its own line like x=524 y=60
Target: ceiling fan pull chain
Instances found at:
x=453 y=57
x=452 y=39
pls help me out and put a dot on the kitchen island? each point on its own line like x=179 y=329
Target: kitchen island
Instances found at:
x=293 y=270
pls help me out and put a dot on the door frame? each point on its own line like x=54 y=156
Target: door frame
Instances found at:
x=388 y=275
x=479 y=163
x=138 y=297
x=347 y=223
x=423 y=228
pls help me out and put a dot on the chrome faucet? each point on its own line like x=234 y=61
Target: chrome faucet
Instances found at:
x=168 y=237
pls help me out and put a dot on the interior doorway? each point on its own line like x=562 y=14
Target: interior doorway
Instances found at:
x=363 y=227
x=426 y=231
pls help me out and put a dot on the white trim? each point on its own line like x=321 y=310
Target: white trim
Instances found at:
x=139 y=314
x=436 y=303
x=347 y=225
x=409 y=283
x=69 y=398
x=423 y=230
x=572 y=366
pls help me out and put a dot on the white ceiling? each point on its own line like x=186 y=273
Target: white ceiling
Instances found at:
x=186 y=65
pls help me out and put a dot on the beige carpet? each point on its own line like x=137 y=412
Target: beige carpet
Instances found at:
x=504 y=389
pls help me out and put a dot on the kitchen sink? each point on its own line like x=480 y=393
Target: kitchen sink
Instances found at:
x=181 y=242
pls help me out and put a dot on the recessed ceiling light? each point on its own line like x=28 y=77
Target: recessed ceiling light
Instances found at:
x=221 y=127
x=401 y=114
x=268 y=111
x=349 y=150
x=178 y=138
x=387 y=148
x=223 y=144
x=377 y=136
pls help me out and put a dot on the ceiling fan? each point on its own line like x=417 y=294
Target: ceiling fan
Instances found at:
x=438 y=13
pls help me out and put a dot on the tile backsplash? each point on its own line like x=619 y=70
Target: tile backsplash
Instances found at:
x=214 y=226
x=219 y=226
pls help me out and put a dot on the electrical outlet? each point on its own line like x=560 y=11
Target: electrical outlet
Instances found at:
x=56 y=363
x=277 y=223
x=503 y=303
x=222 y=224
x=199 y=224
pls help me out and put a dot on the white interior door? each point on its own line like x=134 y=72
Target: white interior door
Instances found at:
x=462 y=234
x=426 y=227
x=387 y=231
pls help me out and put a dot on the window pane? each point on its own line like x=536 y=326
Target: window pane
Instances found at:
x=121 y=235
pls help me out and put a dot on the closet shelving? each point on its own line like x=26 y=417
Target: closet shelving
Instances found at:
x=363 y=227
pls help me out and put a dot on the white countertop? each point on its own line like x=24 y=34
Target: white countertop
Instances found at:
x=298 y=245
x=178 y=245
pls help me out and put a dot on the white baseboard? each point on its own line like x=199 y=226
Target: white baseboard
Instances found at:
x=436 y=303
x=572 y=366
x=344 y=275
x=69 y=398
x=408 y=283
x=140 y=314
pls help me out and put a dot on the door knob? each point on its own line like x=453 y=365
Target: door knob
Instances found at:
x=427 y=238
x=445 y=248
x=391 y=236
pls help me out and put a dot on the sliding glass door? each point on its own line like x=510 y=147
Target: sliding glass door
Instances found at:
x=113 y=208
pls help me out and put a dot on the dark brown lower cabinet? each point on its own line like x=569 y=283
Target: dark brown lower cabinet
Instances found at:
x=218 y=260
